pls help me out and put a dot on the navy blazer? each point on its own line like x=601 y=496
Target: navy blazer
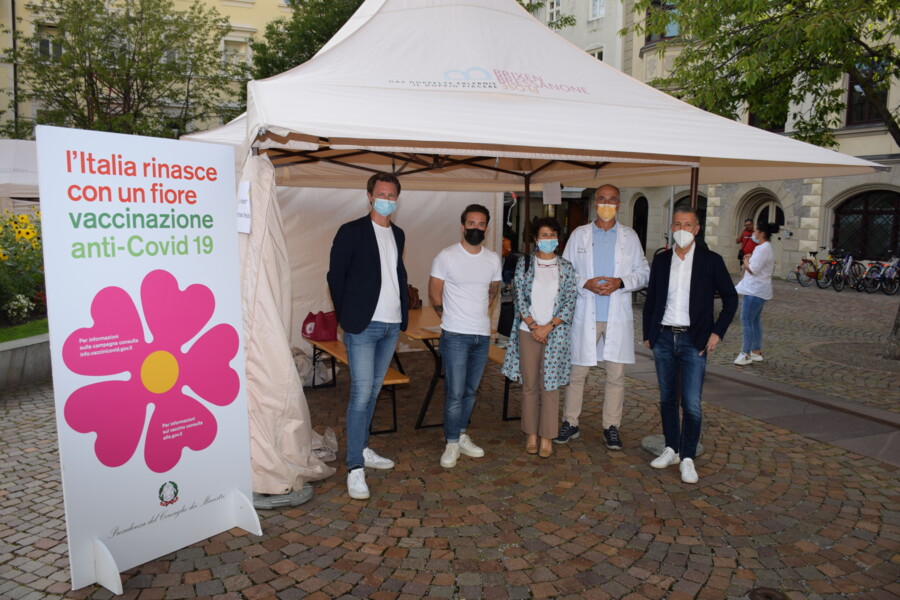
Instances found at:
x=354 y=274
x=708 y=277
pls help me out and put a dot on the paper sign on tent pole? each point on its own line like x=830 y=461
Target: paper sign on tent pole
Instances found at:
x=143 y=298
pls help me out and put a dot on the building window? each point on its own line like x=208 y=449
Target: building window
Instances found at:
x=48 y=46
x=554 y=10
x=860 y=110
x=867 y=225
x=671 y=29
x=234 y=52
x=598 y=9
x=598 y=54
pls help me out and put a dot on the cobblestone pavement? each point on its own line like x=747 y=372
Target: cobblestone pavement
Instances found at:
x=773 y=509
x=822 y=341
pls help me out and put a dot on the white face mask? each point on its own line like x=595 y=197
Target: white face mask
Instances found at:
x=683 y=238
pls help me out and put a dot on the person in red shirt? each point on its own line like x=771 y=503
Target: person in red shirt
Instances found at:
x=745 y=239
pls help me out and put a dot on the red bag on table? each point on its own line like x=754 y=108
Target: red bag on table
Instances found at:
x=321 y=326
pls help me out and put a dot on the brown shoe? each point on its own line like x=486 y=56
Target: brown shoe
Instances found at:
x=546 y=448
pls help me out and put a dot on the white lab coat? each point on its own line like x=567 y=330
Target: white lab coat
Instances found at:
x=632 y=268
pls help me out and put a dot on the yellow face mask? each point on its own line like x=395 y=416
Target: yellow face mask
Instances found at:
x=607 y=212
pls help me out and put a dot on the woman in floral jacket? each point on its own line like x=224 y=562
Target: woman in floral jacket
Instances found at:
x=538 y=352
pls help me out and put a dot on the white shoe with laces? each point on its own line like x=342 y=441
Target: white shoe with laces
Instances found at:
x=468 y=447
x=756 y=357
x=372 y=460
x=356 y=484
x=666 y=459
x=743 y=359
x=688 y=472
x=451 y=453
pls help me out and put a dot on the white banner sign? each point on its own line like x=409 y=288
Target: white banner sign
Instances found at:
x=143 y=297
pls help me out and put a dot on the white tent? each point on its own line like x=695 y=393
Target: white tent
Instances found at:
x=453 y=96
x=464 y=95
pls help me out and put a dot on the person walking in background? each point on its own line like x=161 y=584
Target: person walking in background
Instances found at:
x=745 y=239
x=756 y=287
x=681 y=328
x=538 y=352
x=610 y=264
x=367 y=280
x=465 y=280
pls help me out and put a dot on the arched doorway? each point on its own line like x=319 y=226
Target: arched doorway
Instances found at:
x=762 y=206
x=868 y=225
x=639 y=214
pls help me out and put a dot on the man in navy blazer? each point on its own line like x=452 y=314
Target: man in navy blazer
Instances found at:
x=681 y=328
x=367 y=281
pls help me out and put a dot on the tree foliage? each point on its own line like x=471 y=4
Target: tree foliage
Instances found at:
x=289 y=42
x=560 y=23
x=127 y=66
x=780 y=57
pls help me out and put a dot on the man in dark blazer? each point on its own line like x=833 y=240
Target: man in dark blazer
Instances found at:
x=367 y=280
x=681 y=328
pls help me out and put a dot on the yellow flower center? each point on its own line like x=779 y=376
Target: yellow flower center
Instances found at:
x=159 y=372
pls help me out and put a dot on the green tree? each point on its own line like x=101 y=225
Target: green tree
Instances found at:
x=127 y=66
x=777 y=57
x=289 y=42
x=561 y=22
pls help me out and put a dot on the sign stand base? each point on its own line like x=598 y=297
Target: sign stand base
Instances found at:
x=245 y=515
x=106 y=573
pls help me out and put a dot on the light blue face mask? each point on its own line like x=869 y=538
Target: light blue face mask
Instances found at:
x=754 y=238
x=384 y=207
x=547 y=245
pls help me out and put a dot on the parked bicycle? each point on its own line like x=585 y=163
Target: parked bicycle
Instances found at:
x=827 y=270
x=848 y=274
x=808 y=269
x=881 y=275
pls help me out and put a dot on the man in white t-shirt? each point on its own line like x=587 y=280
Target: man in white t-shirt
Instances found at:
x=465 y=279
x=367 y=280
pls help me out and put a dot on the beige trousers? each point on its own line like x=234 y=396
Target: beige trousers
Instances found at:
x=613 y=398
x=540 y=408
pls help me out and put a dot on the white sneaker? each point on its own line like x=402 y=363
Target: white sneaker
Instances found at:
x=756 y=357
x=743 y=359
x=373 y=461
x=356 y=484
x=451 y=453
x=468 y=447
x=666 y=459
x=688 y=472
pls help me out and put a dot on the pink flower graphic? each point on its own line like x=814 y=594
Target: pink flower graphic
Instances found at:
x=159 y=370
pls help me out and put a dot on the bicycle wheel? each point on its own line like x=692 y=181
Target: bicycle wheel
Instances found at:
x=823 y=276
x=806 y=272
x=872 y=279
x=839 y=281
x=890 y=284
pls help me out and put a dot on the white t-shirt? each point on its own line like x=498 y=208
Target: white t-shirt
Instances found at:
x=762 y=263
x=679 y=295
x=388 y=308
x=543 y=291
x=467 y=281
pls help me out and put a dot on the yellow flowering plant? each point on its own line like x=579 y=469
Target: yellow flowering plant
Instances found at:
x=21 y=264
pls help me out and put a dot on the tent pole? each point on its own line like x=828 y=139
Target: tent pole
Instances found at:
x=695 y=179
x=526 y=227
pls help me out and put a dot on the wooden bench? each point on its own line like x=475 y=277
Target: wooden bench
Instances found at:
x=338 y=353
x=497 y=354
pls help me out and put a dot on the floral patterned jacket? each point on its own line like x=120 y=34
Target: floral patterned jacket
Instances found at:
x=556 y=355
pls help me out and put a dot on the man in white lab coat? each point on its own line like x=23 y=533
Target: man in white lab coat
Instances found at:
x=610 y=264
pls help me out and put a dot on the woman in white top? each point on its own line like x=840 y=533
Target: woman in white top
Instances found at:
x=538 y=350
x=756 y=287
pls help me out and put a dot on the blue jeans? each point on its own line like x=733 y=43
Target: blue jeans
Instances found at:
x=751 y=323
x=674 y=354
x=369 y=353
x=464 y=356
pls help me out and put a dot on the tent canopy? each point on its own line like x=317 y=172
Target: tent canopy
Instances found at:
x=455 y=95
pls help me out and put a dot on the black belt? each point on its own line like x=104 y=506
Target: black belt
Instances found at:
x=676 y=328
